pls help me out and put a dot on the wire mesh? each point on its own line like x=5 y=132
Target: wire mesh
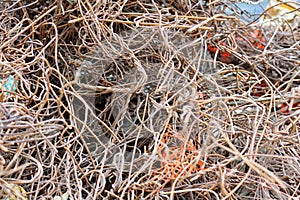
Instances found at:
x=147 y=100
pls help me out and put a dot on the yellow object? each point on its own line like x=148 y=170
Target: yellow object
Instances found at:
x=281 y=13
x=14 y=192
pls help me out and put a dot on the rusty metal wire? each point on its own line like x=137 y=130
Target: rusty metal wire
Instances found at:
x=147 y=100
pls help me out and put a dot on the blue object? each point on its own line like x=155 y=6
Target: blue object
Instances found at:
x=251 y=11
x=10 y=85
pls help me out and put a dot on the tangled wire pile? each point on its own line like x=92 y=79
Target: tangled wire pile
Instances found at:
x=147 y=100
